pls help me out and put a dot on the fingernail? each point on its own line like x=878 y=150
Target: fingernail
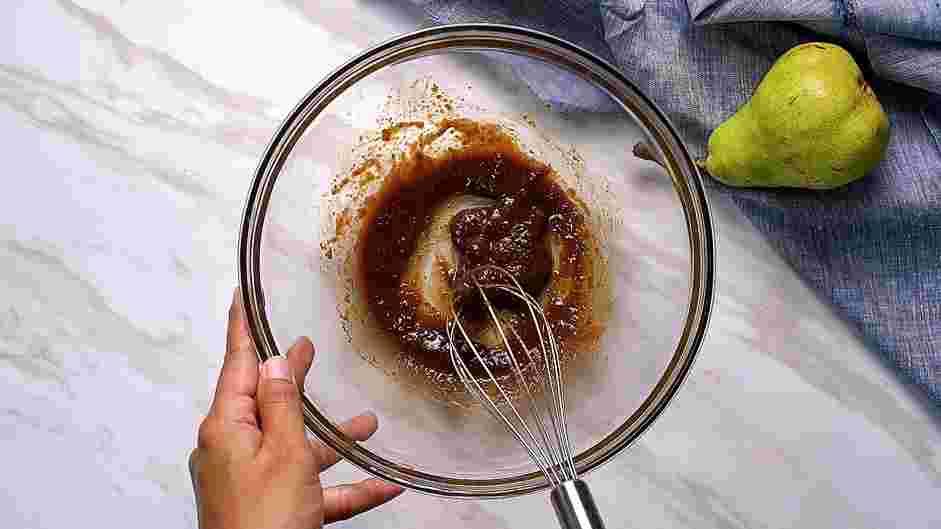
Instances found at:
x=391 y=489
x=371 y=414
x=300 y=342
x=278 y=367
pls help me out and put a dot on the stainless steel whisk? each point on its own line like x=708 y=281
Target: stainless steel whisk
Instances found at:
x=538 y=425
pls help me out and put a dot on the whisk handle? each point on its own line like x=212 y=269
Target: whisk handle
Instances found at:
x=575 y=507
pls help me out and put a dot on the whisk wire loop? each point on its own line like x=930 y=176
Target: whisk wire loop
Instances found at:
x=538 y=424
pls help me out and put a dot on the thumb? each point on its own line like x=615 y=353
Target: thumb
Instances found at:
x=279 y=407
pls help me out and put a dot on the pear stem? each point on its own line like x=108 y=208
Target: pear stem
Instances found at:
x=644 y=151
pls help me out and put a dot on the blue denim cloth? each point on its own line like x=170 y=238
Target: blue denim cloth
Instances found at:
x=872 y=248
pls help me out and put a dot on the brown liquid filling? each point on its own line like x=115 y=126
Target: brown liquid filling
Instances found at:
x=532 y=228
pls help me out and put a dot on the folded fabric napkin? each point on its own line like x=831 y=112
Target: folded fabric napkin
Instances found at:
x=872 y=248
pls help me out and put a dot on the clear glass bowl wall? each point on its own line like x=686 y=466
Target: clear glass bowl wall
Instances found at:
x=658 y=244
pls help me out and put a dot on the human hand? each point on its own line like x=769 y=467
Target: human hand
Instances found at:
x=253 y=466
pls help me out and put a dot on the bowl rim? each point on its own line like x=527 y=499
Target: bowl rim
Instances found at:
x=687 y=182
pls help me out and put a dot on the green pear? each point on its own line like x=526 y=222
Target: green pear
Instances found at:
x=812 y=123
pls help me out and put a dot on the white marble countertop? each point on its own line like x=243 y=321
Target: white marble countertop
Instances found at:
x=130 y=132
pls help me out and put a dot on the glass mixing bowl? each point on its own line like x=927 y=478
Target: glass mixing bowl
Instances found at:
x=568 y=108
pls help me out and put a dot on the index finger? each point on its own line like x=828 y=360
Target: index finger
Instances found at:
x=345 y=501
x=239 y=376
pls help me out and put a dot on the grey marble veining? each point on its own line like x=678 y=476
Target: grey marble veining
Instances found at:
x=130 y=132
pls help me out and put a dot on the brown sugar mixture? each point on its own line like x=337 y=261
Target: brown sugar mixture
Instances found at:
x=523 y=221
